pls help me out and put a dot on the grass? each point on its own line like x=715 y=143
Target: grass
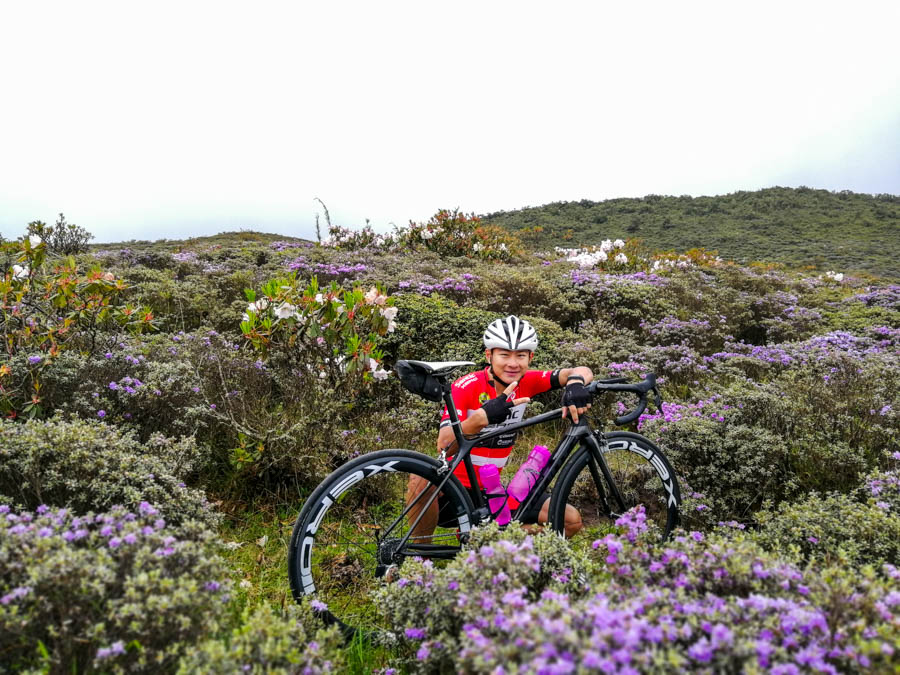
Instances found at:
x=259 y=535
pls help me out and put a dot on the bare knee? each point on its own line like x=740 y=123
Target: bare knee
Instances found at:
x=573 y=521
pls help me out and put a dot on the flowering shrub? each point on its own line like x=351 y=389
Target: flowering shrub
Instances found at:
x=453 y=233
x=89 y=466
x=448 y=233
x=452 y=287
x=347 y=239
x=265 y=642
x=331 y=331
x=326 y=271
x=609 y=255
x=45 y=309
x=115 y=591
x=706 y=603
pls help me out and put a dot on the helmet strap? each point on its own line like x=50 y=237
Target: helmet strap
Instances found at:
x=493 y=376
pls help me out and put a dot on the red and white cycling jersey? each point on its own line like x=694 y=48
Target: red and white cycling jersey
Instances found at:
x=471 y=391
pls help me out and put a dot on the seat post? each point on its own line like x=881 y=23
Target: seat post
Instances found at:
x=447 y=388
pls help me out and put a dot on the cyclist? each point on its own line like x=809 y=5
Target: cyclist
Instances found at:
x=495 y=397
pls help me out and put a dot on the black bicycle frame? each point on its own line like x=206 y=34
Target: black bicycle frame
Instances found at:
x=580 y=432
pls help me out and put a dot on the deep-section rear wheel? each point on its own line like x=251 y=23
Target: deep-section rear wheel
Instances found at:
x=349 y=536
x=640 y=473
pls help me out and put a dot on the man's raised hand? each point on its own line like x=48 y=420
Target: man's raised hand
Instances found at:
x=496 y=409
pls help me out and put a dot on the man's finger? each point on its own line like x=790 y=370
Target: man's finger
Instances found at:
x=574 y=412
x=519 y=401
x=511 y=388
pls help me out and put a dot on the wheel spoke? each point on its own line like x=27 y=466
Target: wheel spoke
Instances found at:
x=350 y=547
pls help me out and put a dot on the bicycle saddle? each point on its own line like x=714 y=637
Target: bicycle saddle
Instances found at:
x=438 y=368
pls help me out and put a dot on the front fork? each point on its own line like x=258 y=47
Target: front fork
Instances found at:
x=597 y=465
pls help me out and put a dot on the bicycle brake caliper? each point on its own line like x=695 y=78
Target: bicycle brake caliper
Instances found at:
x=444 y=467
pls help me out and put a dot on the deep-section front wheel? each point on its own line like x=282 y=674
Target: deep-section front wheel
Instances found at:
x=638 y=473
x=356 y=528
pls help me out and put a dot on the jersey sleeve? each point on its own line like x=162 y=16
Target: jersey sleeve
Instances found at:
x=535 y=382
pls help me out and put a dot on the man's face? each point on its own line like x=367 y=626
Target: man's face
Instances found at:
x=508 y=365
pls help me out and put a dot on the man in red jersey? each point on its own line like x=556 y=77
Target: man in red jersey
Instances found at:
x=496 y=397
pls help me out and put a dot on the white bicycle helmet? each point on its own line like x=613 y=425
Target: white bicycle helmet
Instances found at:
x=510 y=333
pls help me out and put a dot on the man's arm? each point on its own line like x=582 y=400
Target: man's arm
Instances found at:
x=578 y=376
x=583 y=371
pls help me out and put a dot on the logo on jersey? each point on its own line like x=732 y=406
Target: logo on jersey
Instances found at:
x=466 y=381
x=483 y=397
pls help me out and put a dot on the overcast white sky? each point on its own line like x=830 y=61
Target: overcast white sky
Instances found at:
x=172 y=119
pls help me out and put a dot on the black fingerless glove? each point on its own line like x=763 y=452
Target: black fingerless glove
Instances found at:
x=497 y=409
x=576 y=394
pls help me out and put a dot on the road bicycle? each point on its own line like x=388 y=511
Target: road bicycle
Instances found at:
x=357 y=525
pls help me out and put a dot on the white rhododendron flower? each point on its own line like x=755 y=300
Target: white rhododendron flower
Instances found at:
x=380 y=374
x=427 y=234
x=285 y=310
x=502 y=246
x=836 y=276
x=389 y=313
x=258 y=306
x=392 y=326
x=374 y=297
x=477 y=247
x=606 y=245
x=618 y=243
x=622 y=258
x=34 y=239
x=20 y=272
x=320 y=298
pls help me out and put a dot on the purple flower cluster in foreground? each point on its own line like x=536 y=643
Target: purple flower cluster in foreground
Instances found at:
x=334 y=270
x=701 y=602
x=118 y=528
x=92 y=585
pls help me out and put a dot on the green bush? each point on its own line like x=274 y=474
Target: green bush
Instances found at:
x=834 y=528
x=89 y=466
x=431 y=328
x=63 y=238
x=858 y=529
x=735 y=467
x=533 y=291
x=113 y=592
x=268 y=643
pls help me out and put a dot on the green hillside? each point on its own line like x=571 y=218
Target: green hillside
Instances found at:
x=802 y=226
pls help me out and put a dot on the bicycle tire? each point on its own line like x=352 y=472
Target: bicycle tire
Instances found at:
x=335 y=553
x=642 y=475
